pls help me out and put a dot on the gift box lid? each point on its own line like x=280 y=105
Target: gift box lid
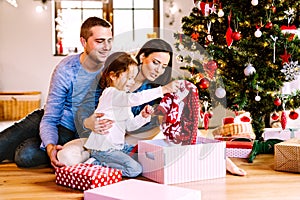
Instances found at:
x=133 y=189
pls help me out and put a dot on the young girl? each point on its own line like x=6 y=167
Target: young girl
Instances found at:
x=115 y=103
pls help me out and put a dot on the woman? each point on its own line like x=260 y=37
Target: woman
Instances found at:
x=155 y=68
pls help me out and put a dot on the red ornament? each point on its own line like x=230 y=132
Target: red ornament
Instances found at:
x=283 y=120
x=269 y=25
x=195 y=36
x=236 y=36
x=210 y=114
x=275 y=116
x=210 y=68
x=277 y=102
x=206 y=120
x=273 y=9
x=203 y=83
x=285 y=57
x=293 y=115
x=229 y=39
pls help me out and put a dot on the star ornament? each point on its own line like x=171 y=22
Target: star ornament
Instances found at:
x=285 y=57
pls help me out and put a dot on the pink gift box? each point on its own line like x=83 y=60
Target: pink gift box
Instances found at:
x=170 y=164
x=86 y=176
x=136 y=190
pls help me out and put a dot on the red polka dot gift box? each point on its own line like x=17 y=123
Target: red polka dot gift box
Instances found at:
x=86 y=176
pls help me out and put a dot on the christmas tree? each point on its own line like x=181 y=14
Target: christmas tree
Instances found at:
x=241 y=53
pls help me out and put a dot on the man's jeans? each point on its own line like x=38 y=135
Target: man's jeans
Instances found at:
x=21 y=141
x=118 y=159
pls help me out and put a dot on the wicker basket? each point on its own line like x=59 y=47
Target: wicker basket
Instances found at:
x=16 y=105
x=241 y=130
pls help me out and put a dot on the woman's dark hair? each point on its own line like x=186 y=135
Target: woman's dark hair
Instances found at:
x=158 y=45
x=116 y=63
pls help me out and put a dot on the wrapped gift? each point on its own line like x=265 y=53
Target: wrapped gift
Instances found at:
x=86 y=176
x=287 y=155
x=167 y=163
x=238 y=149
x=278 y=133
x=136 y=190
x=235 y=130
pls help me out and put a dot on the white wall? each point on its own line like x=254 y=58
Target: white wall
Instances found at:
x=26 y=59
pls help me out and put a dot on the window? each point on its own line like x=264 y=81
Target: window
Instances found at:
x=128 y=17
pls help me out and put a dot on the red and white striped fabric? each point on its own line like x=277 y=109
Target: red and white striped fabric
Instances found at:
x=181 y=114
x=86 y=176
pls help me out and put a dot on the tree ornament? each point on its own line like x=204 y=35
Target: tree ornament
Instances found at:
x=249 y=70
x=209 y=37
x=220 y=12
x=258 y=33
x=220 y=92
x=275 y=116
x=291 y=70
x=180 y=47
x=277 y=101
x=210 y=114
x=210 y=68
x=257 y=98
x=269 y=25
x=195 y=36
x=229 y=39
x=283 y=120
x=285 y=57
x=193 y=47
x=203 y=83
x=236 y=36
x=274 y=38
x=293 y=115
x=273 y=8
x=254 y=2
x=179 y=58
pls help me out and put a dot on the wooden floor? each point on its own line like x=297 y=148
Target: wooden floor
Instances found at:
x=262 y=182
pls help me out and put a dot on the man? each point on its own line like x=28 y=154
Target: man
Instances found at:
x=52 y=127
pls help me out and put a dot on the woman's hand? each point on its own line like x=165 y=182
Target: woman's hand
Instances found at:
x=52 y=153
x=147 y=111
x=171 y=87
x=98 y=125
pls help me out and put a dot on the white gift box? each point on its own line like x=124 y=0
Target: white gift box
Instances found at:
x=278 y=133
x=170 y=164
x=136 y=190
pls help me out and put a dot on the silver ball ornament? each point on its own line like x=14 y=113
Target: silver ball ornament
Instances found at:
x=257 y=98
x=220 y=92
x=249 y=70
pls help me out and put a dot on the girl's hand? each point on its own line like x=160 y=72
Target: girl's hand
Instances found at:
x=147 y=111
x=171 y=87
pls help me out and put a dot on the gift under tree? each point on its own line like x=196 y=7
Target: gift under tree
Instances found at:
x=239 y=55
